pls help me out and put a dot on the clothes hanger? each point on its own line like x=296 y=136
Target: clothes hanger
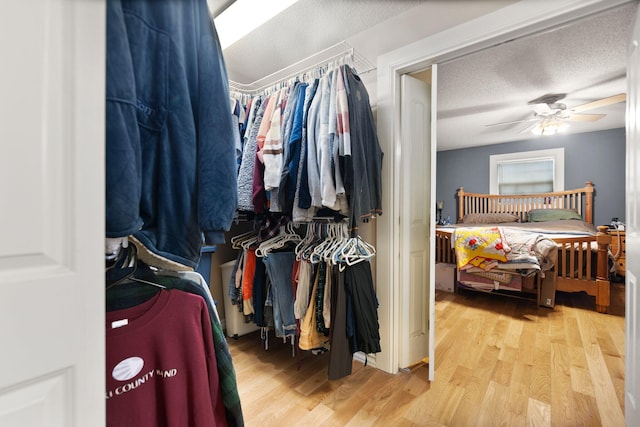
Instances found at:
x=123 y=271
x=318 y=238
x=237 y=241
x=316 y=255
x=357 y=251
x=287 y=234
x=302 y=244
x=334 y=252
x=335 y=241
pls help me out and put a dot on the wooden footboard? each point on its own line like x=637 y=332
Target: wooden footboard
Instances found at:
x=579 y=268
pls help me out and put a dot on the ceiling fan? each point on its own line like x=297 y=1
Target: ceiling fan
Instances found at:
x=550 y=116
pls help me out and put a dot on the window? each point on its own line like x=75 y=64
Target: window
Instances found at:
x=527 y=172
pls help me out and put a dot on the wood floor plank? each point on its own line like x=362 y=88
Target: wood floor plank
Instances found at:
x=581 y=381
x=616 y=328
x=320 y=415
x=525 y=352
x=538 y=414
x=587 y=413
x=493 y=404
x=421 y=409
x=557 y=333
x=476 y=387
x=517 y=403
x=541 y=374
x=514 y=331
x=615 y=366
x=502 y=372
x=562 y=410
x=394 y=409
x=605 y=340
x=577 y=356
x=571 y=330
x=448 y=402
x=604 y=390
x=387 y=402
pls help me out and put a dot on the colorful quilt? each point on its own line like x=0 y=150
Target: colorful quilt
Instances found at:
x=481 y=247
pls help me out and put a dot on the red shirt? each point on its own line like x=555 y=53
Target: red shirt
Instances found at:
x=161 y=365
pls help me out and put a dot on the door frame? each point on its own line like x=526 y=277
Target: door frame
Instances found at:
x=523 y=18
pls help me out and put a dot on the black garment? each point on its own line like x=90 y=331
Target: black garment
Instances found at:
x=363 y=170
x=359 y=285
x=322 y=280
x=259 y=292
x=340 y=355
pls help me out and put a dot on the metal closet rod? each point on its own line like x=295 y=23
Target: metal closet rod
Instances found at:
x=250 y=87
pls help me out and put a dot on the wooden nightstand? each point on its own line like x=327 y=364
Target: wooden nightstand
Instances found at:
x=618 y=239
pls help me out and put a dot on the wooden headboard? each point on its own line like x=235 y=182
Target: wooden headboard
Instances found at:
x=520 y=204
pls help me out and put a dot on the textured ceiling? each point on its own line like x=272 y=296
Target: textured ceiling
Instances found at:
x=371 y=27
x=306 y=27
x=586 y=60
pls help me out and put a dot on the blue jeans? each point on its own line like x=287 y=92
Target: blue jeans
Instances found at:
x=279 y=268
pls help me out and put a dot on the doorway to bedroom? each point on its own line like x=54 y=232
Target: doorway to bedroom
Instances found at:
x=401 y=62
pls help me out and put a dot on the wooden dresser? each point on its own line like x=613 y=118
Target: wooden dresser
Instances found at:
x=618 y=239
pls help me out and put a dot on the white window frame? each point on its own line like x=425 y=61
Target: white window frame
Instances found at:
x=557 y=154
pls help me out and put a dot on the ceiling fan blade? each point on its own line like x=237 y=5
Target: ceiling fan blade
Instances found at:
x=584 y=117
x=600 y=103
x=510 y=123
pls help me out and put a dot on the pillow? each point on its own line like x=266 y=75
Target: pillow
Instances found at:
x=489 y=218
x=538 y=215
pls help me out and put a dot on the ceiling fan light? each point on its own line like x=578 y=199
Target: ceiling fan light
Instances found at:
x=550 y=128
x=538 y=129
x=563 y=126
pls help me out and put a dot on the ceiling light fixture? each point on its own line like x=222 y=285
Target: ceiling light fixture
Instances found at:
x=244 y=16
x=549 y=126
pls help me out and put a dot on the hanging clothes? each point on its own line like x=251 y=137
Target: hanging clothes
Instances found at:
x=322 y=155
x=245 y=175
x=366 y=329
x=170 y=150
x=279 y=266
x=292 y=134
x=302 y=198
x=312 y=154
x=340 y=356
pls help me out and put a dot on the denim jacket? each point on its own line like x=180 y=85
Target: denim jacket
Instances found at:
x=170 y=173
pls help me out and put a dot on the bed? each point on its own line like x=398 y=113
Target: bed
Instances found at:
x=579 y=261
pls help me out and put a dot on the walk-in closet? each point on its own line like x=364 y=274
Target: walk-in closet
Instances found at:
x=202 y=228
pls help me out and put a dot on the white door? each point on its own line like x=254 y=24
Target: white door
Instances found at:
x=415 y=221
x=52 y=215
x=632 y=297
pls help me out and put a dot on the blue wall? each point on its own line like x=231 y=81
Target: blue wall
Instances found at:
x=598 y=157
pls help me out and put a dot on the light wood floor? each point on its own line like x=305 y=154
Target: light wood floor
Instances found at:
x=499 y=361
